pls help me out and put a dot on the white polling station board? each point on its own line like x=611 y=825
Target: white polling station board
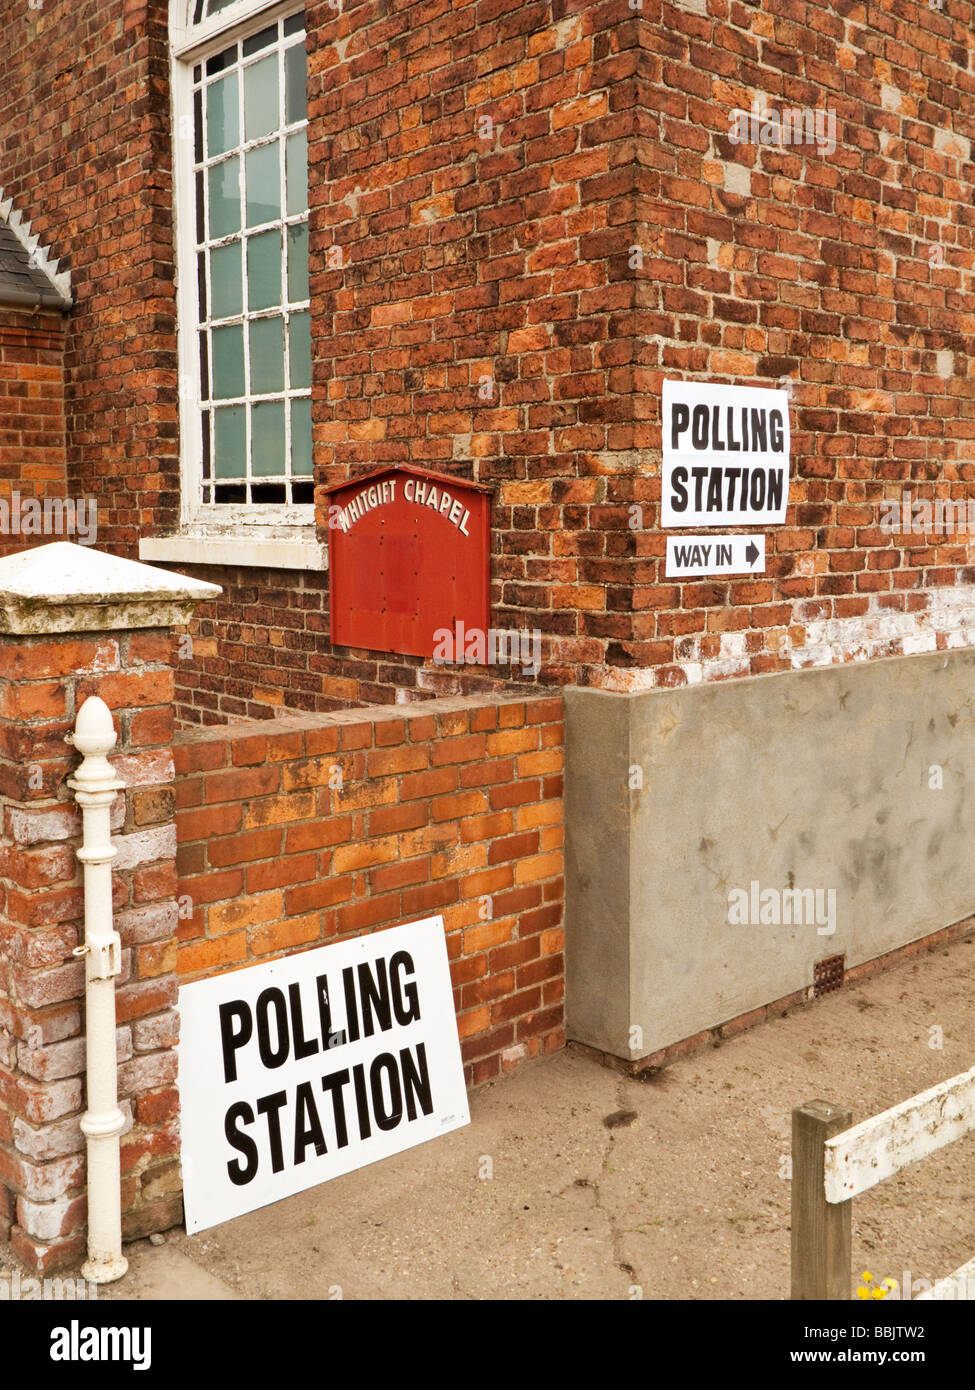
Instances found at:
x=297 y=1071
x=725 y=455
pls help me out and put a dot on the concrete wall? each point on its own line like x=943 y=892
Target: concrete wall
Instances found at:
x=823 y=779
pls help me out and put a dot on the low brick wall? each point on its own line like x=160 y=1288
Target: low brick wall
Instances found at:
x=44 y=681
x=300 y=830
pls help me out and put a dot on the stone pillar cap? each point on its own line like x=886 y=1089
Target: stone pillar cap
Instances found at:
x=65 y=587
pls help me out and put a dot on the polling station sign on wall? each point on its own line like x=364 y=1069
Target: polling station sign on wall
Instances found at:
x=297 y=1071
x=725 y=456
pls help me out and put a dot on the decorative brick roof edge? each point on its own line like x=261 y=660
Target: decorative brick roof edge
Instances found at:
x=58 y=294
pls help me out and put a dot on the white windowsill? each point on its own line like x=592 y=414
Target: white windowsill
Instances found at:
x=260 y=552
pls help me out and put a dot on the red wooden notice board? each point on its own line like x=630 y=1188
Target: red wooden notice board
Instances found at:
x=408 y=557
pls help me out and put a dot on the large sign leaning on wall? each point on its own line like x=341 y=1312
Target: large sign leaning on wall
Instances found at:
x=408 y=556
x=297 y=1071
x=725 y=459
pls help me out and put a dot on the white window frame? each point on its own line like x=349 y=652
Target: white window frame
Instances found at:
x=279 y=535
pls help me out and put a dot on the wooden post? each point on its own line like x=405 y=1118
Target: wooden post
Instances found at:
x=821 y=1244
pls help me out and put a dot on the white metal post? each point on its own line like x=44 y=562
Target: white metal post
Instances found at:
x=95 y=786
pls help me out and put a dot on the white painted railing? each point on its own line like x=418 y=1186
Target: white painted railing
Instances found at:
x=859 y=1158
x=833 y=1162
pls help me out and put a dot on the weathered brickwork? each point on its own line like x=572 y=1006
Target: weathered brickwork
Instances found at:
x=260 y=648
x=85 y=148
x=470 y=164
x=845 y=277
x=607 y=232
x=263 y=648
x=523 y=217
x=313 y=828
x=43 y=682
x=32 y=429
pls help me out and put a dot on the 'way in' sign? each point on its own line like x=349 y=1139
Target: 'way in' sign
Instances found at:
x=696 y=555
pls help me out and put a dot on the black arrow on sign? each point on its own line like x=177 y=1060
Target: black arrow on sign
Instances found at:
x=751 y=552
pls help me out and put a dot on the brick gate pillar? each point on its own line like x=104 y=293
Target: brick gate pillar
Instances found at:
x=75 y=622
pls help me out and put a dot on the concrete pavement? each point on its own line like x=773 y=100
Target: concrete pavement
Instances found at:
x=574 y=1182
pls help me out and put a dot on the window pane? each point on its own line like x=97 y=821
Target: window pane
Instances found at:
x=298 y=263
x=267 y=493
x=228 y=361
x=263 y=184
x=301 y=436
x=223 y=126
x=261 y=100
x=264 y=270
x=215 y=6
x=206 y=444
x=220 y=61
x=295 y=78
x=200 y=209
x=267 y=356
x=229 y=441
x=198 y=127
x=224 y=181
x=204 y=368
x=299 y=349
x=226 y=290
x=258 y=41
x=267 y=438
x=296 y=169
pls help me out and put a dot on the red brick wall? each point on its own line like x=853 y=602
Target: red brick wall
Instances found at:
x=500 y=257
x=451 y=808
x=850 y=274
x=84 y=132
x=259 y=648
x=42 y=1059
x=513 y=256
x=263 y=647
x=508 y=255
x=32 y=432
